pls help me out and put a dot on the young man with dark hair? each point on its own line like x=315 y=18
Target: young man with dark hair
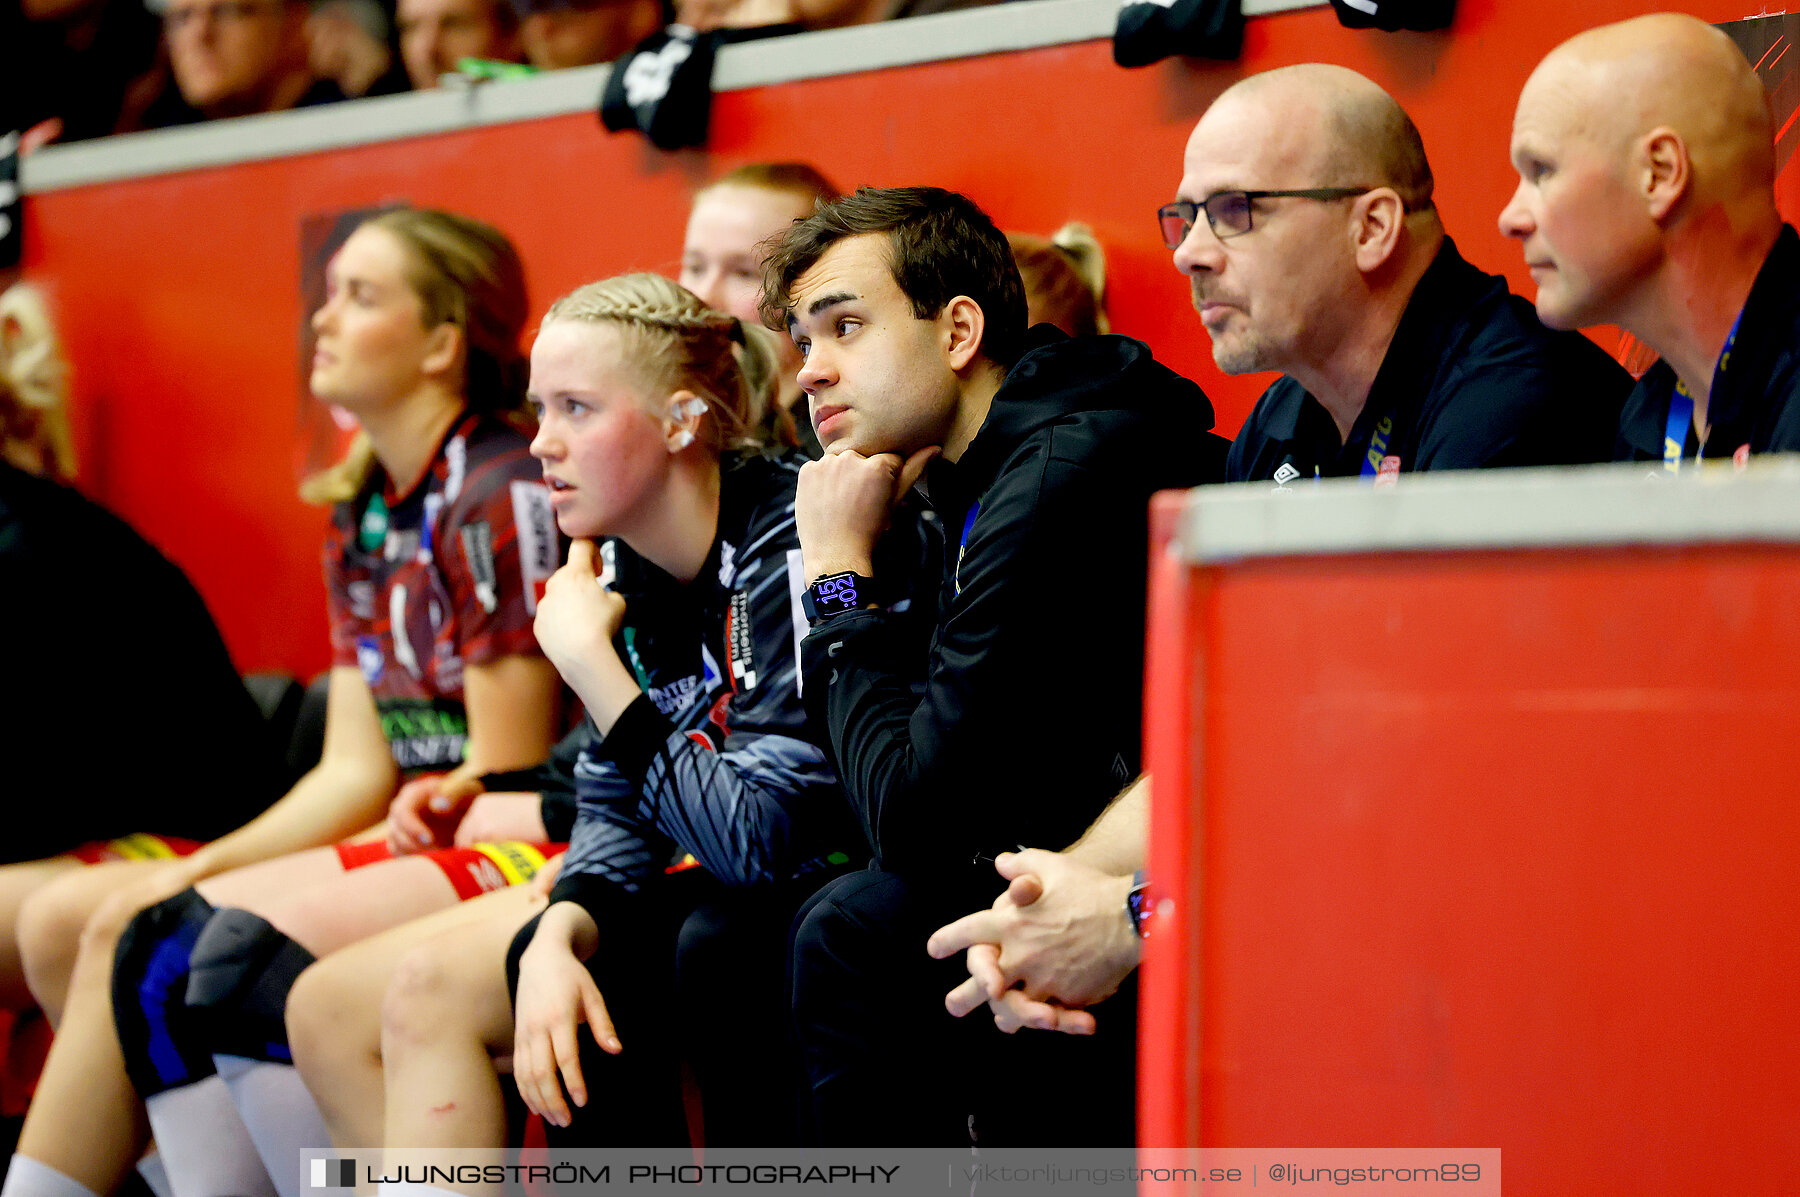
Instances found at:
x=1014 y=716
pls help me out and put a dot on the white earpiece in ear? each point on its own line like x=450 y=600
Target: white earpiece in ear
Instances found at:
x=690 y=408
x=681 y=440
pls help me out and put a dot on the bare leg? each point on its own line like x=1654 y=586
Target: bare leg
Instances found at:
x=86 y=1120
x=446 y=1017
x=18 y=882
x=311 y=899
x=335 y=1009
x=53 y=919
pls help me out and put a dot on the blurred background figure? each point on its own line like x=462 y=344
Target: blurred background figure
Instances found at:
x=435 y=35
x=808 y=14
x=1065 y=278
x=347 y=43
x=721 y=261
x=87 y=67
x=235 y=58
x=571 y=33
x=34 y=424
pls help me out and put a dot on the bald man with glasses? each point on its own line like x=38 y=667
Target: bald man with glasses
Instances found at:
x=1306 y=227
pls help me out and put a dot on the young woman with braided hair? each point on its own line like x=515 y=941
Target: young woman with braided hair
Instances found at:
x=685 y=659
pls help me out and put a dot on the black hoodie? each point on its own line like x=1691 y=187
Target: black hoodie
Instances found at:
x=1030 y=716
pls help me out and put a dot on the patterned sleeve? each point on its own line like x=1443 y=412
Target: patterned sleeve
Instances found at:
x=496 y=545
x=735 y=778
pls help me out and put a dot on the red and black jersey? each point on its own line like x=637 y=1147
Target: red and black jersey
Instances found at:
x=447 y=575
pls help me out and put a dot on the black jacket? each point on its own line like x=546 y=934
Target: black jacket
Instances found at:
x=1033 y=673
x=1471 y=379
x=123 y=710
x=1756 y=399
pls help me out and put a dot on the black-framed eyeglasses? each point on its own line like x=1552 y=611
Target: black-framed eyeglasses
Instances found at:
x=1228 y=212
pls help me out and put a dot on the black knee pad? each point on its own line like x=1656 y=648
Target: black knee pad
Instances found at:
x=239 y=975
x=164 y=1047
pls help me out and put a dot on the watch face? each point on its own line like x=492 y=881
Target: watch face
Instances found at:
x=836 y=593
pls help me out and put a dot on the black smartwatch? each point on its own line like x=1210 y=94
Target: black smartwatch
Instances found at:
x=835 y=594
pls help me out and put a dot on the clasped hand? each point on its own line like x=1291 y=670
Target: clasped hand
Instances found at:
x=1056 y=941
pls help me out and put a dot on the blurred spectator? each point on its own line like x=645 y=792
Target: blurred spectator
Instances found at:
x=721 y=260
x=808 y=14
x=84 y=66
x=235 y=58
x=34 y=425
x=572 y=33
x=435 y=35
x=347 y=43
x=1065 y=278
x=71 y=568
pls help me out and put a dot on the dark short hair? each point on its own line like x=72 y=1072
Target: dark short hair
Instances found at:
x=940 y=245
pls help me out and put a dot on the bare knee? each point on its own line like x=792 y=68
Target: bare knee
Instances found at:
x=52 y=922
x=322 y=1010
x=423 y=1000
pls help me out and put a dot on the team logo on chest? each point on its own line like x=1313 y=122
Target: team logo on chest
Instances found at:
x=737 y=642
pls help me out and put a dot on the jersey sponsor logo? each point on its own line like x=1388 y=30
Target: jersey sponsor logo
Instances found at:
x=403 y=649
x=456 y=467
x=1285 y=473
x=361 y=592
x=486 y=876
x=434 y=505
x=478 y=551
x=727 y=562
x=370 y=659
x=674 y=695
x=372 y=532
x=400 y=545
x=535 y=523
x=425 y=733
x=515 y=861
x=738 y=642
x=1388 y=473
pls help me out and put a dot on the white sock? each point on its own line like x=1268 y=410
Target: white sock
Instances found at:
x=151 y=1169
x=33 y=1178
x=204 y=1147
x=280 y=1113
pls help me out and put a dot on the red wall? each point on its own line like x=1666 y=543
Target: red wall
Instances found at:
x=178 y=294
x=1454 y=868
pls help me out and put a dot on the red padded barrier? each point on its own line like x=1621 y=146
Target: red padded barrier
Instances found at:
x=1483 y=849
x=178 y=293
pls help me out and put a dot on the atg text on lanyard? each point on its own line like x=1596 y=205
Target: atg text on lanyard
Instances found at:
x=1378 y=465
x=1681 y=408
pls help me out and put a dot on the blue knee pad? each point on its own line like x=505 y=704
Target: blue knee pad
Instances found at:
x=163 y=1043
x=239 y=976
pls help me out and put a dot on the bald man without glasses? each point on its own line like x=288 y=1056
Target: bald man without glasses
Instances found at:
x=1646 y=199
x=1306 y=225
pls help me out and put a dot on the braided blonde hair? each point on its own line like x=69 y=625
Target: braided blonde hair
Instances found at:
x=34 y=385
x=675 y=342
